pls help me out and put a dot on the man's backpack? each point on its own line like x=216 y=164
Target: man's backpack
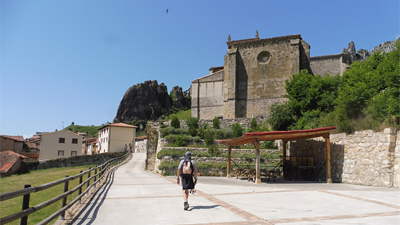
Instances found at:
x=187 y=167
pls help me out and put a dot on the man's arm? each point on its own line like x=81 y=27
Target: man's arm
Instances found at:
x=178 y=174
x=195 y=176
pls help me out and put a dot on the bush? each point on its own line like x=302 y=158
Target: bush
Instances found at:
x=166 y=131
x=237 y=130
x=197 y=139
x=209 y=137
x=216 y=123
x=193 y=125
x=213 y=151
x=268 y=145
x=181 y=141
x=201 y=132
x=175 y=123
x=253 y=125
x=219 y=135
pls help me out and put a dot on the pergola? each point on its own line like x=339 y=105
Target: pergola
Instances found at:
x=285 y=136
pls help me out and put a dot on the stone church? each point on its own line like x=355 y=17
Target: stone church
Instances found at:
x=253 y=76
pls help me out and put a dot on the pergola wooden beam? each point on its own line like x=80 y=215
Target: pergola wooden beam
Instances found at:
x=285 y=136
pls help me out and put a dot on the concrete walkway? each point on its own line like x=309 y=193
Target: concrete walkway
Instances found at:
x=133 y=196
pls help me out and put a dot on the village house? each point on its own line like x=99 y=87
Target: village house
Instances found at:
x=10 y=162
x=60 y=144
x=89 y=146
x=113 y=137
x=140 y=144
x=13 y=143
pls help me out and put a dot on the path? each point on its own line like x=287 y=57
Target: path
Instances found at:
x=133 y=196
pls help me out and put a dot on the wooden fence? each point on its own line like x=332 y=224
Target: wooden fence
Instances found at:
x=99 y=172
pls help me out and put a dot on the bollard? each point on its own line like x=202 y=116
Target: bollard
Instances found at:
x=25 y=205
x=64 y=201
x=95 y=172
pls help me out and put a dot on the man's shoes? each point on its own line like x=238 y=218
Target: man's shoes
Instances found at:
x=185 y=206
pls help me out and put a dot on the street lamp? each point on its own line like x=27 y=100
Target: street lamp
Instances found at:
x=141 y=126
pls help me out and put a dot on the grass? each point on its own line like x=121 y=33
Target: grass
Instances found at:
x=36 y=178
x=182 y=115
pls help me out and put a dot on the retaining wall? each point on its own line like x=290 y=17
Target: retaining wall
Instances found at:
x=364 y=158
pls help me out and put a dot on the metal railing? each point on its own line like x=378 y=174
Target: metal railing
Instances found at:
x=99 y=171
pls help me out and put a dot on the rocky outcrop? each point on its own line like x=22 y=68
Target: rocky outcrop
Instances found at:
x=145 y=101
x=363 y=54
x=180 y=98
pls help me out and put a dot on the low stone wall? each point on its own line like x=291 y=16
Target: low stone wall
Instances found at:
x=82 y=160
x=224 y=123
x=363 y=158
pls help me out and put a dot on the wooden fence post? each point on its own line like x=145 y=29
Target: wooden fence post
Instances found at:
x=64 y=201
x=88 y=177
x=25 y=205
x=80 y=189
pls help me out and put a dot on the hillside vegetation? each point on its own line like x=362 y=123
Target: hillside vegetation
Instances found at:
x=365 y=97
x=91 y=131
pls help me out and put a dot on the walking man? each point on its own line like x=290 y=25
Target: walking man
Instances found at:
x=186 y=170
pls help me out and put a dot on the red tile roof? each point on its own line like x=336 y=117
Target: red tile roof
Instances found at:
x=30 y=155
x=90 y=140
x=118 y=125
x=15 y=138
x=8 y=159
x=141 y=137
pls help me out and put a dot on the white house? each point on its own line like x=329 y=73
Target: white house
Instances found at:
x=60 y=144
x=114 y=136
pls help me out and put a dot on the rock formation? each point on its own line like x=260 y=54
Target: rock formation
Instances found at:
x=181 y=99
x=363 y=54
x=145 y=101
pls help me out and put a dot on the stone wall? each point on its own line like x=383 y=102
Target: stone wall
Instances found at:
x=224 y=123
x=330 y=64
x=81 y=160
x=363 y=158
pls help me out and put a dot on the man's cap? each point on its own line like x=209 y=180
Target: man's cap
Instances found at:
x=188 y=154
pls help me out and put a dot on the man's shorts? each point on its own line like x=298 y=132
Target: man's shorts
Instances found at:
x=187 y=182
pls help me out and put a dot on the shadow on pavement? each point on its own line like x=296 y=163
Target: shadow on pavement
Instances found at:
x=203 y=207
x=94 y=204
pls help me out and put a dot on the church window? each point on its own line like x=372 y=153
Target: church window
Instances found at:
x=264 y=57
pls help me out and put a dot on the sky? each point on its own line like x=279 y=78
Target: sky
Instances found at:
x=70 y=61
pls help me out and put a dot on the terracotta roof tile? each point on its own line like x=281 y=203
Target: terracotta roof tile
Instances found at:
x=141 y=137
x=7 y=160
x=118 y=125
x=15 y=138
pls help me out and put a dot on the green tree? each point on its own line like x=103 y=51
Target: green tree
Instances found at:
x=175 y=122
x=193 y=125
x=237 y=130
x=216 y=123
x=209 y=137
x=253 y=125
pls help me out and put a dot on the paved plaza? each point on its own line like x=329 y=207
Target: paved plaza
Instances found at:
x=134 y=196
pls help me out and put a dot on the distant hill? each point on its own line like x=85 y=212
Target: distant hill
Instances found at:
x=91 y=131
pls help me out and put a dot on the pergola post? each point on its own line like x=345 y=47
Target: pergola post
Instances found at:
x=228 y=170
x=328 y=159
x=258 y=178
x=284 y=151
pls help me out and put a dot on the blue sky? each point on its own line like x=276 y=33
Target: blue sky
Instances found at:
x=72 y=61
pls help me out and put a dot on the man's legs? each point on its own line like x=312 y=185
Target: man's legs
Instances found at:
x=185 y=199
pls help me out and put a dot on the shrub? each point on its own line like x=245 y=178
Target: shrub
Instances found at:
x=197 y=139
x=216 y=123
x=219 y=135
x=201 y=132
x=209 y=137
x=253 y=125
x=237 y=130
x=181 y=140
x=193 y=124
x=175 y=122
x=268 y=145
x=213 y=151
x=166 y=131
